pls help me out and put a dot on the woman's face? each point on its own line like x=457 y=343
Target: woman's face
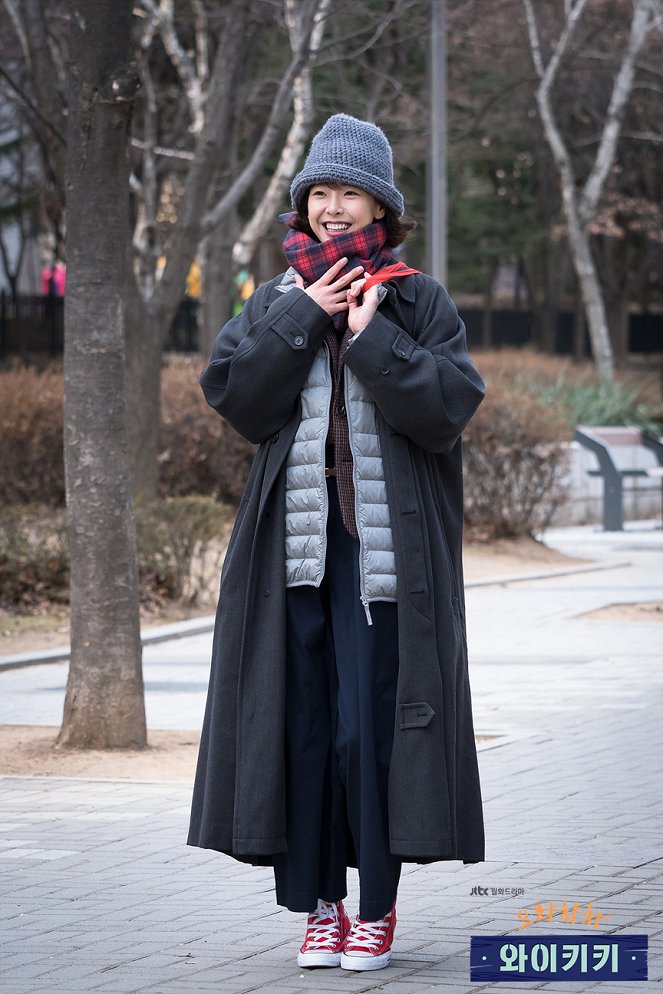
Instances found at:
x=336 y=209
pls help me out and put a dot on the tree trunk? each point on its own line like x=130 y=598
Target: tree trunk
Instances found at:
x=218 y=287
x=104 y=705
x=533 y=305
x=614 y=276
x=619 y=318
x=151 y=314
x=487 y=314
x=580 y=207
x=579 y=329
x=144 y=357
x=144 y=354
x=555 y=266
x=591 y=290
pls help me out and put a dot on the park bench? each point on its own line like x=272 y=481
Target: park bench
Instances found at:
x=601 y=439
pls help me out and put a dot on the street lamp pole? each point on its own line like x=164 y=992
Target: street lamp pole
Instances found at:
x=436 y=213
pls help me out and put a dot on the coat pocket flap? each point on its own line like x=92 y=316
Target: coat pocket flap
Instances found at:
x=403 y=346
x=414 y=715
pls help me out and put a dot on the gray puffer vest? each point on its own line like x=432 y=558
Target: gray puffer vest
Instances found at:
x=306 y=488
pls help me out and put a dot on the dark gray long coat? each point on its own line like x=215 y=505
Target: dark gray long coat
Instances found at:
x=412 y=357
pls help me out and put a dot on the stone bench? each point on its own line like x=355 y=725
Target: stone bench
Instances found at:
x=601 y=439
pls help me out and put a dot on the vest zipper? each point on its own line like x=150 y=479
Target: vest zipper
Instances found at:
x=325 y=495
x=362 y=582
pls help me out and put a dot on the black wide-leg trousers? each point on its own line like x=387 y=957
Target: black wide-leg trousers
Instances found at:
x=340 y=706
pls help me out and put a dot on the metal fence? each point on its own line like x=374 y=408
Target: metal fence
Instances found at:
x=514 y=328
x=32 y=326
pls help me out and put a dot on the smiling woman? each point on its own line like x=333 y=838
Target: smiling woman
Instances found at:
x=338 y=729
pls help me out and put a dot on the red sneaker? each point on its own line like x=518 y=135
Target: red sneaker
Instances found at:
x=368 y=945
x=326 y=930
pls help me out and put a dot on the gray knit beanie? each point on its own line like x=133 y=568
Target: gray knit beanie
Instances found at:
x=347 y=150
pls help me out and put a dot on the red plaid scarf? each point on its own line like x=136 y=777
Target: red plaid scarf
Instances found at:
x=366 y=247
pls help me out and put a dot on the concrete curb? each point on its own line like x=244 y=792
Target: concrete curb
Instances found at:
x=199 y=626
x=178 y=630
x=546 y=575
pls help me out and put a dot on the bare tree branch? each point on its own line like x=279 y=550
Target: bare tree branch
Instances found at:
x=31 y=107
x=164 y=17
x=397 y=12
x=558 y=148
x=143 y=240
x=293 y=147
x=186 y=233
x=281 y=102
x=580 y=208
x=578 y=235
x=10 y=7
x=202 y=46
x=168 y=153
x=645 y=136
x=643 y=17
x=573 y=14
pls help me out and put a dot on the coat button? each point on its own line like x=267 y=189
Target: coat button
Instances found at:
x=298 y=340
x=341 y=411
x=265 y=593
x=275 y=437
x=384 y=370
x=402 y=353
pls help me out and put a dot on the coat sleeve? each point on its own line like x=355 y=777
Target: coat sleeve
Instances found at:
x=260 y=361
x=422 y=378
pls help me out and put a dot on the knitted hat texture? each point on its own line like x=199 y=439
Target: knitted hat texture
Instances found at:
x=347 y=150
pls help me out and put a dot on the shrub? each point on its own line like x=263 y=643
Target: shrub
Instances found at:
x=513 y=463
x=200 y=452
x=534 y=369
x=595 y=402
x=31 y=461
x=513 y=452
x=34 y=558
x=181 y=543
x=573 y=388
x=513 y=459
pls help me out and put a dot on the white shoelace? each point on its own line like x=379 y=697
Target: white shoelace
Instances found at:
x=323 y=927
x=368 y=935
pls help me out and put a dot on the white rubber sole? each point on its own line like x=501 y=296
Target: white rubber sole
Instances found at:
x=313 y=959
x=365 y=962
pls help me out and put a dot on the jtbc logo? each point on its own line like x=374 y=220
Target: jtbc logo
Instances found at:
x=479 y=891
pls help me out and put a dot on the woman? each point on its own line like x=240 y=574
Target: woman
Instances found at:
x=338 y=729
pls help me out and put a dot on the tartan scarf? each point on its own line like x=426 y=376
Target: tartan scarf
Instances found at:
x=365 y=247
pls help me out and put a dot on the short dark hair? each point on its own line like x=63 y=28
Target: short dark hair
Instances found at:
x=398 y=228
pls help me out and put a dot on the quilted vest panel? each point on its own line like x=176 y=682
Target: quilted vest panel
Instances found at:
x=306 y=489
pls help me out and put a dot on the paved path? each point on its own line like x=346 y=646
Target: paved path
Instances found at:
x=104 y=896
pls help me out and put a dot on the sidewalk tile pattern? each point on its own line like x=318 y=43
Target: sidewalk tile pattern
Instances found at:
x=100 y=893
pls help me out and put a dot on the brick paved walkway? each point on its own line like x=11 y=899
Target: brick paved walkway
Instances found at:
x=101 y=894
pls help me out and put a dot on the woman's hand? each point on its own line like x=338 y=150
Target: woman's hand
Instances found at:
x=360 y=314
x=329 y=292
